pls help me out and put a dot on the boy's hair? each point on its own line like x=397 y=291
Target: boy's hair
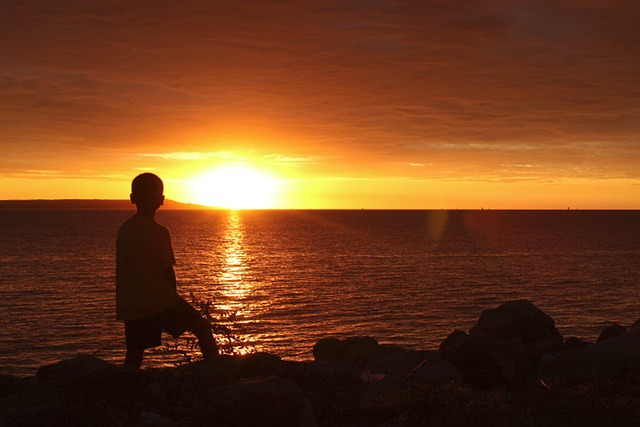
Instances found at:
x=146 y=185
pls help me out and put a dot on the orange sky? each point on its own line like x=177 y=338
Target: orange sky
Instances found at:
x=338 y=104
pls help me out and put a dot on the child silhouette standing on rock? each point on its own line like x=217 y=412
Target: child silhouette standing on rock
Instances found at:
x=146 y=295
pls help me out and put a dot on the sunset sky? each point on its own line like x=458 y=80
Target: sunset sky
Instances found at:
x=324 y=104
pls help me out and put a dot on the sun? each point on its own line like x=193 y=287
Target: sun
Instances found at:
x=235 y=187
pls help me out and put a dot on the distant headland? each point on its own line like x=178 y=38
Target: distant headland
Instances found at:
x=87 y=204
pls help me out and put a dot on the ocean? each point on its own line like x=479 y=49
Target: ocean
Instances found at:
x=283 y=279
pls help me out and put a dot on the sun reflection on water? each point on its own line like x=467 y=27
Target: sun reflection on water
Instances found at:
x=234 y=286
x=235 y=290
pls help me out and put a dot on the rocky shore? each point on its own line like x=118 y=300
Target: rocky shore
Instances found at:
x=512 y=368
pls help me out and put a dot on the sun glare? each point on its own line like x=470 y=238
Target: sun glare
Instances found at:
x=235 y=187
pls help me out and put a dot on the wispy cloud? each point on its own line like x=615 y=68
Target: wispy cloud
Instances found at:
x=60 y=174
x=281 y=159
x=192 y=155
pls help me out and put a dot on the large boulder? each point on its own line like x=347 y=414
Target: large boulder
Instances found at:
x=327 y=349
x=505 y=346
x=356 y=351
x=611 y=331
x=82 y=367
x=518 y=322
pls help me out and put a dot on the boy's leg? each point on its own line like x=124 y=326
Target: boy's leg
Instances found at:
x=183 y=317
x=140 y=334
x=133 y=359
x=207 y=343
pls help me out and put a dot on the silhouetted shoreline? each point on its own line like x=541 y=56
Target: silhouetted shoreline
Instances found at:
x=512 y=368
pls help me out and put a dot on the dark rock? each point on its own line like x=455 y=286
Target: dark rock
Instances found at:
x=475 y=359
x=52 y=413
x=80 y=368
x=360 y=350
x=436 y=371
x=515 y=322
x=505 y=345
x=605 y=359
x=400 y=362
x=259 y=364
x=327 y=349
x=227 y=368
x=337 y=372
x=454 y=345
x=356 y=351
x=572 y=343
x=9 y=384
x=381 y=389
x=611 y=331
x=269 y=401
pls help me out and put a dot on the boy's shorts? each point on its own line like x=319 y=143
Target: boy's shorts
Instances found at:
x=147 y=332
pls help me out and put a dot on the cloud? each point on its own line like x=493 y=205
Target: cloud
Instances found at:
x=457 y=85
x=61 y=174
x=292 y=161
x=192 y=155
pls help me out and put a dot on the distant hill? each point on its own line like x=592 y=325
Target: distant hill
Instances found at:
x=84 y=204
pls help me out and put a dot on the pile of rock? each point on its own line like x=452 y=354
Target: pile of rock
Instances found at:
x=512 y=344
x=616 y=352
x=515 y=344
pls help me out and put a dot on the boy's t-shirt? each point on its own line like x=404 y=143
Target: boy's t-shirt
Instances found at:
x=143 y=253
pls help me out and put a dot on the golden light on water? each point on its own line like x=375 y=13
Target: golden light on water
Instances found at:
x=234 y=287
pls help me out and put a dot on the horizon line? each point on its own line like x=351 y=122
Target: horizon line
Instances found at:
x=195 y=206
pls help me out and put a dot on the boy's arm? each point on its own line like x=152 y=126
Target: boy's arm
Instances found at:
x=170 y=275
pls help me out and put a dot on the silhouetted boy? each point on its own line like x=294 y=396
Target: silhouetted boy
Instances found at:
x=146 y=297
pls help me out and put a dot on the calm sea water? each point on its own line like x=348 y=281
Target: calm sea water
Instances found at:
x=293 y=277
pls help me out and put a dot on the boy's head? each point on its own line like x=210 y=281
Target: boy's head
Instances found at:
x=146 y=191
